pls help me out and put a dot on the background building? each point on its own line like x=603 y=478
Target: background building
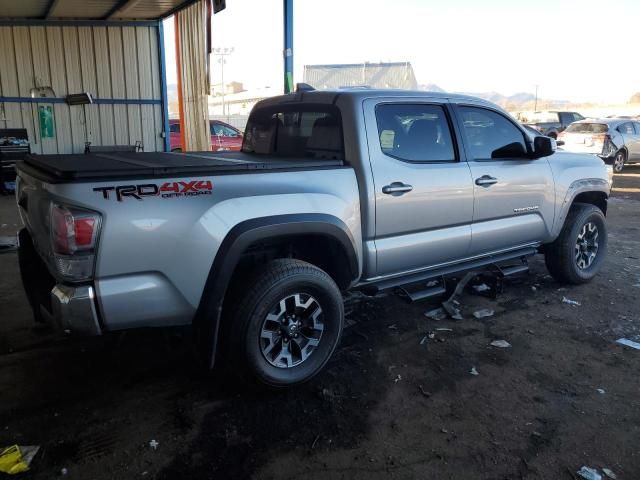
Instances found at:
x=374 y=75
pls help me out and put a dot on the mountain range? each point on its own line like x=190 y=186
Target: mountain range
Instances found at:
x=521 y=100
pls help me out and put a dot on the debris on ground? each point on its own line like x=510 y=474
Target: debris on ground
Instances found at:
x=589 y=473
x=392 y=327
x=500 y=344
x=601 y=391
x=533 y=288
x=436 y=314
x=628 y=343
x=483 y=287
x=474 y=372
x=609 y=473
x=17 y=459
x=424 y=339
x=424 y=392
x=63 y=471
x=431 y=335
x=451 y=305
x=444 y=329
x=483 y=313
x=154 y=444
x=397 y=379
x=568 y=301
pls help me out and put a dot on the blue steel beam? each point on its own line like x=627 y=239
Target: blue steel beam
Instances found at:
x=163 y=87
x=99 y=101
x=288 y=45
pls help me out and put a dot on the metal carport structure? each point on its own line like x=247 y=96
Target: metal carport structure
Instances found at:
x=112 y=49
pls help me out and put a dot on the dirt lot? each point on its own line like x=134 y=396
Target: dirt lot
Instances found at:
x=388 y=405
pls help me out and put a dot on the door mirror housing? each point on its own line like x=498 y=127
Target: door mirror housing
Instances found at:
x=543 y=147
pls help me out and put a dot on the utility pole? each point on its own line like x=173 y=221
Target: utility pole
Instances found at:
x=222 y=53
x=535 y=107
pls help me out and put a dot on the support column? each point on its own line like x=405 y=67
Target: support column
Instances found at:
x=288 y=45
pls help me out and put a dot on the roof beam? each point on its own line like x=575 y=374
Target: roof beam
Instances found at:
x=121 y=7
x=181 y=6
x=51 y=8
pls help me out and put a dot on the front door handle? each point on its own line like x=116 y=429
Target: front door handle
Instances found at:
x=396 y=189
x=486 y=181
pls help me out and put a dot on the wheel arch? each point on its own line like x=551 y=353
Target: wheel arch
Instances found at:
x=594 y=191
x=294 y=228
x=599 y=199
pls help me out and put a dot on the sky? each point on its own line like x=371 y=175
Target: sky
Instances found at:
x=581 y=51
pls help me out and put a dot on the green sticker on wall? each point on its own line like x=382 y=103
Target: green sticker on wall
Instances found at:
x=47 y=129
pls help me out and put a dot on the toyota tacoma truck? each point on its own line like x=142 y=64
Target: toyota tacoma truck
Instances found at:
x=332 y=191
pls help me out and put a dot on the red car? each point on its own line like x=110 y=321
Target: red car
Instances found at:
x=223 y=136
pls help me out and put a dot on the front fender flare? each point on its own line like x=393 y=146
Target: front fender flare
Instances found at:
x=576 y=188
x=240 y=237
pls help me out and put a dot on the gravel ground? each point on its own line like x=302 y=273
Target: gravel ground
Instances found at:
x=393 y=402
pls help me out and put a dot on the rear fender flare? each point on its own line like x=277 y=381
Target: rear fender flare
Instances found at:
x=240 y=237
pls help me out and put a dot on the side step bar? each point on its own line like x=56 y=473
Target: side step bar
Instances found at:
x=414 y=296
x=457 y=268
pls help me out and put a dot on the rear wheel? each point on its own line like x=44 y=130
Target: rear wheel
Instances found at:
x=577 y=254
x=288 y=325
x=619 y=160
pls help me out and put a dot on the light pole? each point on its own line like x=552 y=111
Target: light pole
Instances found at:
x=222 y=53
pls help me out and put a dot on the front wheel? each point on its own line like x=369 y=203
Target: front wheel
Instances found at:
x=288 y=325
x=577 y=254
x=619 y=160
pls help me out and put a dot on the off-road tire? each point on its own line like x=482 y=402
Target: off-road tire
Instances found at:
x=560 y=256
x=278 y=280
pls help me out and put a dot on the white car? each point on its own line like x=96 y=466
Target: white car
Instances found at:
x=615 y=140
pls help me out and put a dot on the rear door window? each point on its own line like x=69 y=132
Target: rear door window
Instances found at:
x=303 y=131
x=491 y=135
x=626 y=129
x=222 y=130
x=415 y=132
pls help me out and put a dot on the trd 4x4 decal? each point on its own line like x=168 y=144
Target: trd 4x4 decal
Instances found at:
x=189 y=188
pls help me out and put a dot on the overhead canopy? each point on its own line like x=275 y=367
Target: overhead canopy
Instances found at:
x=111 y=10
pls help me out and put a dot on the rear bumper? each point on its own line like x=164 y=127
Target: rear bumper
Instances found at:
x=71 y=308
x=74 y=310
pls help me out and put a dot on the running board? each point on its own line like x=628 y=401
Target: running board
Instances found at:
x=514 y=269
x=422 y=294
x=457 y=268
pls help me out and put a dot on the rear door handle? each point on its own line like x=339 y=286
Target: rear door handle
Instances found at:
x=486 y=181
x=396 y=189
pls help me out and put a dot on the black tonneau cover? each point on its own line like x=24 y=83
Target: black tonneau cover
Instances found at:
x=102 y=166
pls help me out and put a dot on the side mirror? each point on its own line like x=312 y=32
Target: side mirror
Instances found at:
x=543 y=147
x=559 y=143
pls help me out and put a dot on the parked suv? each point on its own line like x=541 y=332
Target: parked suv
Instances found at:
x=549 y=123
x=615 y=140
x=223 y=136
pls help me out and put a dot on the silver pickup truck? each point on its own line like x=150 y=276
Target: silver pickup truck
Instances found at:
x=353 y=189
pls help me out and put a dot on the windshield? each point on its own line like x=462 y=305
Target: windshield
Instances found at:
x=587 y=128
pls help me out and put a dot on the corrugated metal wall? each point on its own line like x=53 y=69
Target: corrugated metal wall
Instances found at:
x=119 y=66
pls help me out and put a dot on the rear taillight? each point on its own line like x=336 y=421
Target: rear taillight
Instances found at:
x=74 y=234
x=600 y=138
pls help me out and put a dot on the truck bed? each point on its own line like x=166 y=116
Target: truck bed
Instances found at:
x=119 y=165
